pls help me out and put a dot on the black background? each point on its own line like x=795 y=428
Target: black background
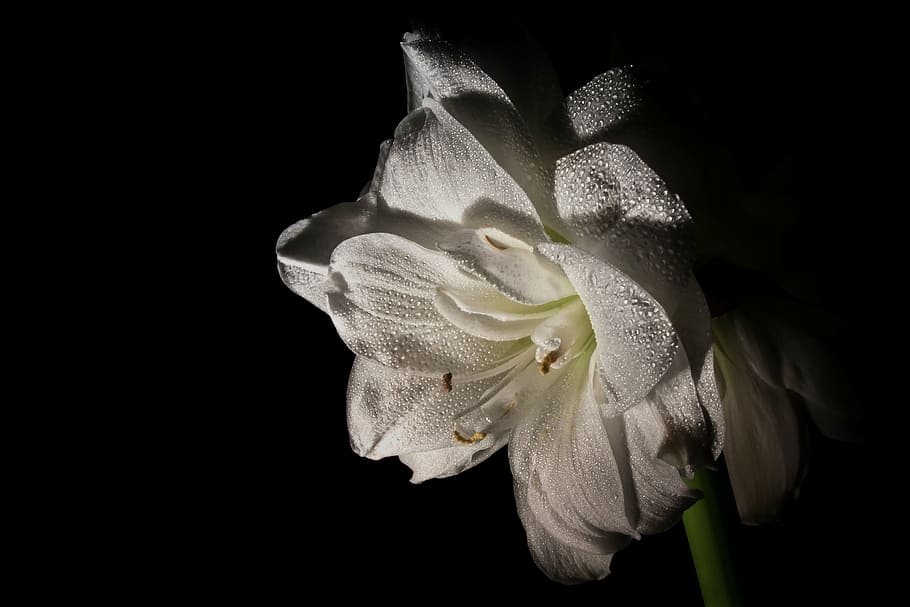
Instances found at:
x=773 y=112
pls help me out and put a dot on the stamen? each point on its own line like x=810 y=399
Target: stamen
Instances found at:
x=447 y=382
x=561 y=337
x=477 y=436
x=544 y=365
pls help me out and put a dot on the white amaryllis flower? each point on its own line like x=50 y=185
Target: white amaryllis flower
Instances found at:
x=775 y=369
x=495 y=298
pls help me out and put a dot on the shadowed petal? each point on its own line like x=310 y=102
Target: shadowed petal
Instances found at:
x=656 y=489
x=687 y=438
x=783 y=345
x=512 y=57
x=692 y=321
x=762 y=449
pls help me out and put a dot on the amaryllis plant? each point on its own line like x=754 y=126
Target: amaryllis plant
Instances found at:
x=510 y=277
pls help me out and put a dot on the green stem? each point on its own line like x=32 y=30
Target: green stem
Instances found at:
x=708 y=525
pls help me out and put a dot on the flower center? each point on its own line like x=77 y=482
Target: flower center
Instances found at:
x=562 y=336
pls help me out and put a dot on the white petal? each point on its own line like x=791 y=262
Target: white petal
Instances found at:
x=604 y=104
x=494 y=304
x=687 y=439
x=506 y=51
x=383 y=306
x=394 y=413
x=762 y=448
x=443 y=463
x=585 y=483
x=484 y=324
x=437 y=70
x=614 y=206
x=652 y=442
x=563 y=563
x=305 y=248
x=653 y=487
x=686 y=397
x=618 y=209
x=509 y=265
x=510 y=402
x=692 y=321
x=636 y=342
x=706 y=385
x=376 y=182
x=565 y=473
x=437 y=170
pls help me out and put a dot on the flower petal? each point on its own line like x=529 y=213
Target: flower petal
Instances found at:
x=383 y=305
x=508 y=264
x=783 y=345
x=506 y=51
x=566 y=476
x=483 y=324
x=605 y=103
x=443 y=463
x=614 y=206
x=305 y=248
x=437 y=70
x=653 y=486
x=561 y=562
x=617 y=208
x=392 y=412
x=687 y=440
x=636 y=342
x=762 y=448
x=585 y=482
x=379 y=171
x=437 y=170
x=692 y=321
x=514 y=399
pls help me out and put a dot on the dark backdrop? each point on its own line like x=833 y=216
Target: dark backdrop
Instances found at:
x=774 y=113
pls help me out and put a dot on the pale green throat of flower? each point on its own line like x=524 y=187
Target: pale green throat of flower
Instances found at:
x=560 y=334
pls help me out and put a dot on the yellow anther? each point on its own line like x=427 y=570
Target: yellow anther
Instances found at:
x=477 y=436
x=544 y=365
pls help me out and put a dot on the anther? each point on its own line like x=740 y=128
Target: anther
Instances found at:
x=477 y=436
x=544 y=365
x=495 y=244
